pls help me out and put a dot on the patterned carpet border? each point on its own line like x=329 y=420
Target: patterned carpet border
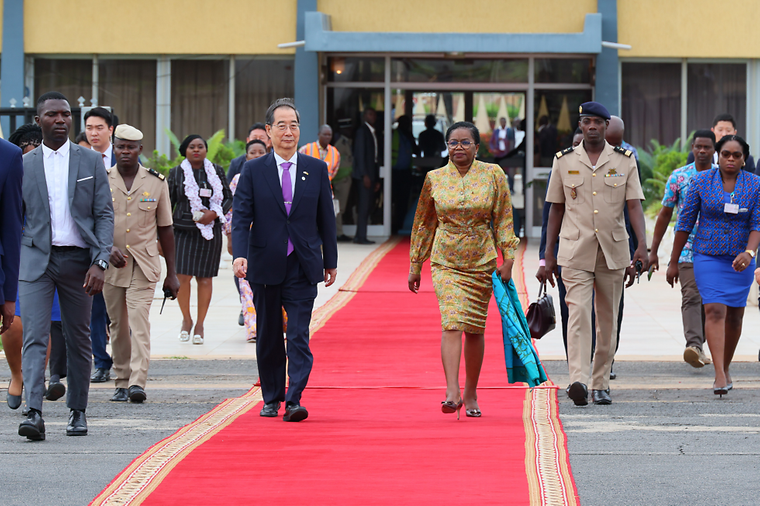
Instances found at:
x=547 y=463
x=133 y=485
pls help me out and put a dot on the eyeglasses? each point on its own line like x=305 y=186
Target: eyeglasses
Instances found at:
x=283 y=126
x=465 y=144
x=732 y=154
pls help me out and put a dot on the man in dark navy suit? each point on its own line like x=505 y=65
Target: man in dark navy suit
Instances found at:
x=99 y=125
x=11 y=175
x=284 y=224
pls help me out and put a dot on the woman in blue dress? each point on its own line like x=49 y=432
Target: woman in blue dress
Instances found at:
x=727 y=201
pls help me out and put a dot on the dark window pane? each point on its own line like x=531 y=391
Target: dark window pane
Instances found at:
x=717 y=88
x=343 y=70
x=257 y=84
x=564 y=70
x=459 y=71
x=344 y=114
x=129 y=88
x=199 y=97
x=73 y=78
x=651 y=96
x=556 y=120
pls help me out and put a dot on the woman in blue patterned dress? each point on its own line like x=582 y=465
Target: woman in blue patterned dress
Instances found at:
x=727 y=201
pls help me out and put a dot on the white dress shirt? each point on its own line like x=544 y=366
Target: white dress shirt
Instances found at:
x=280 y=160
x=106 y=156
x=374 y=137
x=62 y=226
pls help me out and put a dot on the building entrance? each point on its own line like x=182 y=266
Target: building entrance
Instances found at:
x=529 y=96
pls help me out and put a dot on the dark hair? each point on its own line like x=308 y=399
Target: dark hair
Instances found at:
x=724 y=117
x=727 y=138
x=100 y=112
x=255 y=141
x=257 y=126
x=281 y=102
x=430 y=120
x=703 y=134
x=185 y=143
x=26 y=135
x=82 y=136
x=578 y=131
x=50 y=95
x=367 y=110
x=464 y=124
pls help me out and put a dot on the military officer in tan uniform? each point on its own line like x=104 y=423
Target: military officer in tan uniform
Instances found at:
x=589 y=187
x=142 y=215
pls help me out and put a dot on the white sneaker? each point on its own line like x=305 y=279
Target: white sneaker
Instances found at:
x=184 y=336
x=197 y=339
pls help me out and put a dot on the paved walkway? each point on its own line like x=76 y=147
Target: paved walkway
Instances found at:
x=224 y=337
x=652 y=328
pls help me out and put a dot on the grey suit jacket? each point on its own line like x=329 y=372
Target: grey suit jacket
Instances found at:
x=89 y=200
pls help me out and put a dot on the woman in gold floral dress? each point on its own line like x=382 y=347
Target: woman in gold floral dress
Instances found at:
x=464 y=214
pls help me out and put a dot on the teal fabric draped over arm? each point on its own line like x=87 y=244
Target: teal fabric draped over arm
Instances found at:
x=523 y=365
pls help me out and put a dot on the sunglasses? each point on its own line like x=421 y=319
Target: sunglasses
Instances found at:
x=732 y=154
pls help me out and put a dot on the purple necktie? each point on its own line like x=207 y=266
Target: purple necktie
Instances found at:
x=287 y=194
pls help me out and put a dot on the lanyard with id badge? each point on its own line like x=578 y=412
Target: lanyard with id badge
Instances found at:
x=730 y=207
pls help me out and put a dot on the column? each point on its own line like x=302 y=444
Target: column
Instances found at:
x=163 y=105
x=12 y=67
x=607 y=63
x=306 y=77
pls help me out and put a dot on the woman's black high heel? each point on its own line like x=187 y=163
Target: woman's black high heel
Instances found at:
x=14 y=401
x=449 y=407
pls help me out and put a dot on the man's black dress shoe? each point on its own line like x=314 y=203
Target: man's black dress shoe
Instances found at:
x=612 y=372
x=295 y=413
x=363 y=241
x=578 y=392
x=270 y=410
x=55 y=390
x=33 y=428
x=120 y=395
x=25 y=410
x=137 y=394
x=601 y=397
x=344 y=238
x=77 y=423
x=100 y=376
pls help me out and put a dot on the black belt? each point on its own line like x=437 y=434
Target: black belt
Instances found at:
x=67 y=248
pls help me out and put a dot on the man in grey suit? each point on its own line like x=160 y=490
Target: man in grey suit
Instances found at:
x=66 y=243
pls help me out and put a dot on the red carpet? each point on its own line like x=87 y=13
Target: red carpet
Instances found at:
x=375 y=432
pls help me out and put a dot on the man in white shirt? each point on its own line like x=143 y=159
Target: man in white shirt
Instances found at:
x=66 y=244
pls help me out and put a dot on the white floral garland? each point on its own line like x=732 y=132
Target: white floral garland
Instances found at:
x=193 y=195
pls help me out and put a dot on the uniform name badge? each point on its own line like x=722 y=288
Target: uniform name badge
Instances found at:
x=731 y=208
x=205 y=192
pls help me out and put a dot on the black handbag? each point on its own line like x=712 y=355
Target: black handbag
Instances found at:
x=541 y=316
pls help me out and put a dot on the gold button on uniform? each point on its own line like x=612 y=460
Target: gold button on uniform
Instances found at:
x=596 y=211
x=129 y=214
x=129 y=198
x=127 y=230
x=594 y=193
x=127 y=246
x=593 y=175
x=595 y=230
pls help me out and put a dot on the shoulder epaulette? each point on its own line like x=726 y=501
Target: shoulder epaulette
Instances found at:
x=157 y=174
x=562 y=153
x=623 y=151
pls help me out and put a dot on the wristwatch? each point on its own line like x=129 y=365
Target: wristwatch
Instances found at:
x=102 y=264
x=751 y=252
